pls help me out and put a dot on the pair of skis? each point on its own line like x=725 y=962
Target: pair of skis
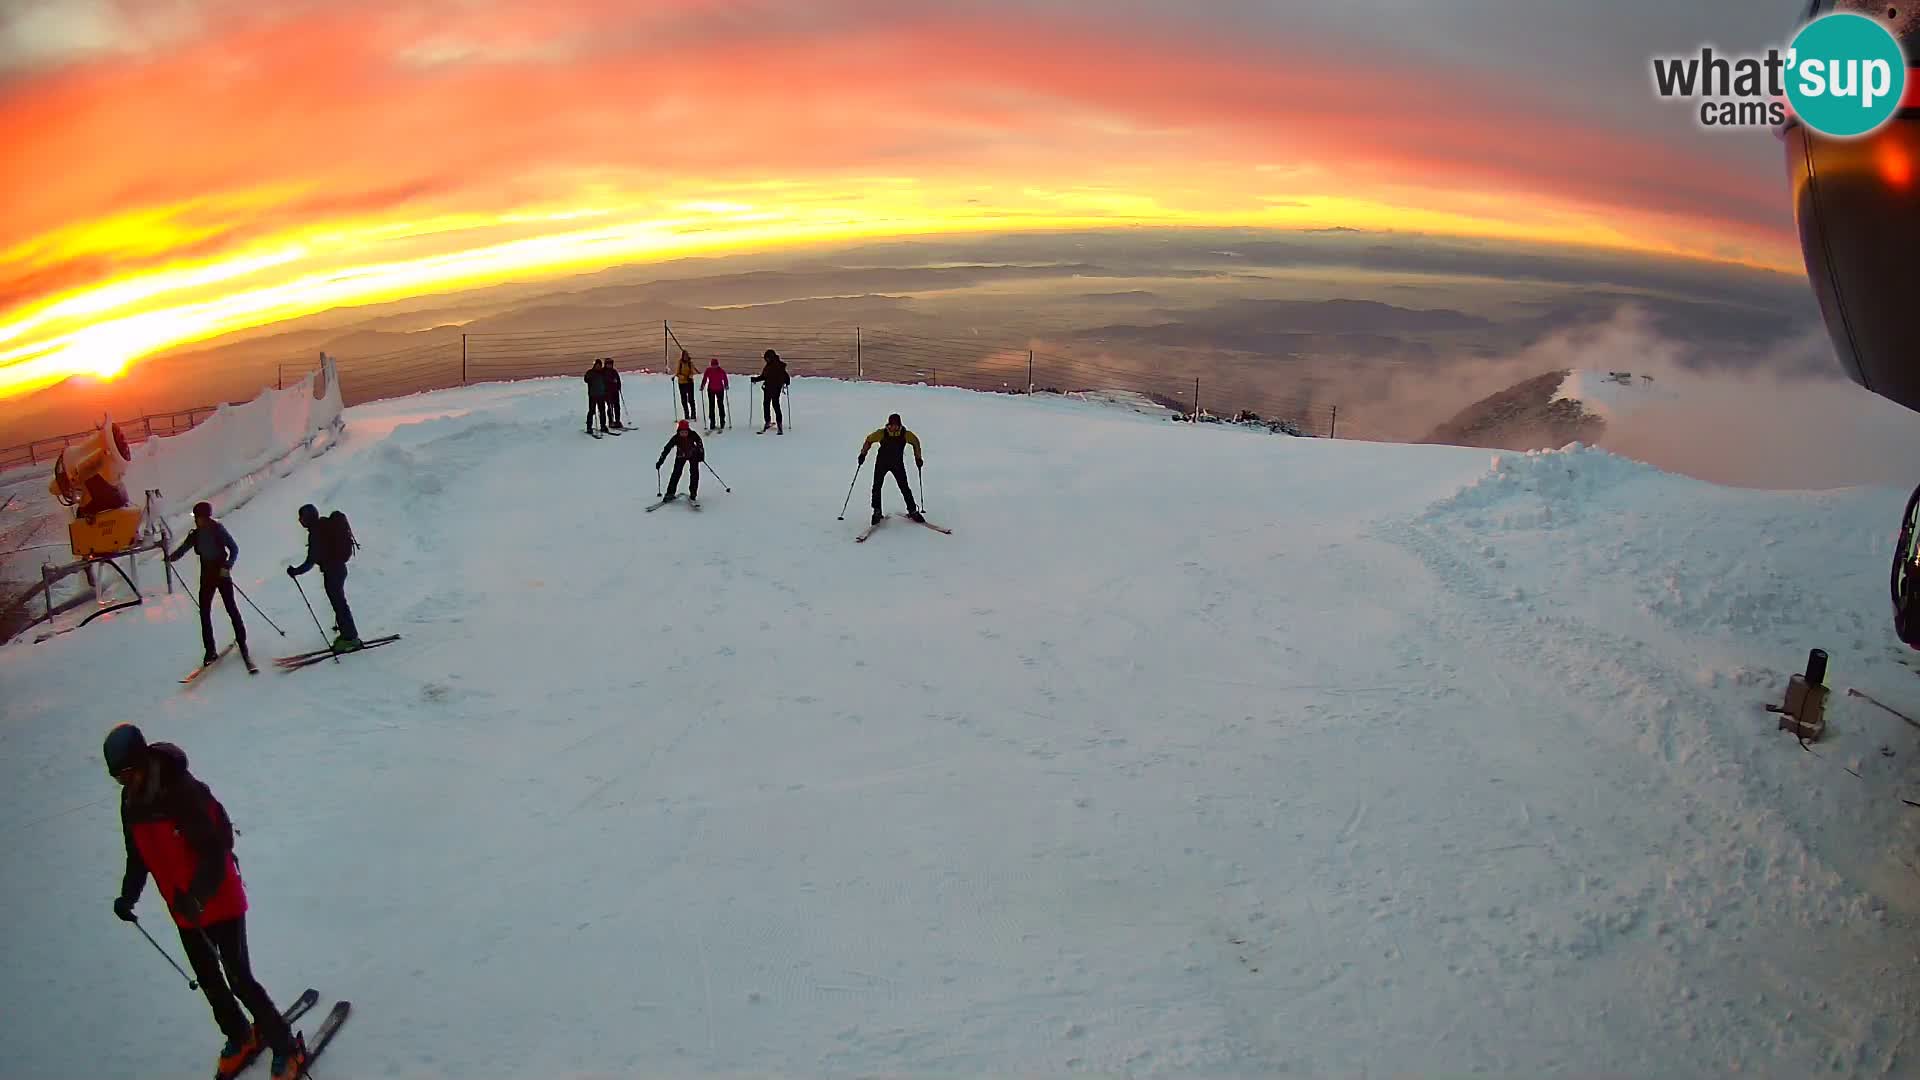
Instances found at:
x=322 y=1035
x=692 y=504
x=308 y=659
x=194 y=675
x=868 y=531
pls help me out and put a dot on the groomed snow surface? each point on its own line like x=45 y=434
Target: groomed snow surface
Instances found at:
x=1193 y=750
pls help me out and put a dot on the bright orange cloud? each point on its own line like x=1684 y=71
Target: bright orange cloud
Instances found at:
x=262 y=166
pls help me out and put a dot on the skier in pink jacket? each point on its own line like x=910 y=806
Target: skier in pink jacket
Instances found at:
x=715 y=380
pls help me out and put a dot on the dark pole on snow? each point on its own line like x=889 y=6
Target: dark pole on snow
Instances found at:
x=849 y=499
x=316 y=617
x=191 y=985
x=716 y=476
x=920 y=471
x=256 y=607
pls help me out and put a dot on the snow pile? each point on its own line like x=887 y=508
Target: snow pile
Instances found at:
x=1548 y=485
x=228 y=456
x=1349 y=759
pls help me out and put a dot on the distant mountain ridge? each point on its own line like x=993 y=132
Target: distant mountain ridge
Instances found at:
x=1528 y=415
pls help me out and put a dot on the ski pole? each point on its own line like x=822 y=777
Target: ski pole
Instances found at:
x=191 y=985
x=849 y=499
x=656 y=482
x=256 y=607
x=316 y=618
x=919 y=470
x=716 y=476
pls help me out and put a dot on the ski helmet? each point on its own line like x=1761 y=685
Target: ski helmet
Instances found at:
x=203 y=509
x=893 y=420
x=124 y=746
x=684 y=426
x=309 y=514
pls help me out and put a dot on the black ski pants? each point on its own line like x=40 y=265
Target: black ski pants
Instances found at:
x=224 y=946
x=334 y=579
x=693 y=479
x=686 y=398
x=898 y=470
x=716 y=409
x=212 y=581
x=597 y=410
x=771 y=407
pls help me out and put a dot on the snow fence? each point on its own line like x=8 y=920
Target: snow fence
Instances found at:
x=227 y=457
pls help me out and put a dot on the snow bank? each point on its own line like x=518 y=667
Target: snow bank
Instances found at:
x=1548 y=484
x=226 y=458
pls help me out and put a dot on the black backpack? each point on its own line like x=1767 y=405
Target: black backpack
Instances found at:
x=337 y=544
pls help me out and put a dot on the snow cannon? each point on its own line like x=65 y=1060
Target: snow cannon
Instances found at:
x=1857 y=204
x=86 y=477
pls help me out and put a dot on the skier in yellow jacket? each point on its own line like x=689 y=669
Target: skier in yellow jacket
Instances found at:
x=684 y=373
x=894 y=440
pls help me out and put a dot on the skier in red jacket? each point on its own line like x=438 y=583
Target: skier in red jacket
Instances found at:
x=715 y=380
x=176 y=831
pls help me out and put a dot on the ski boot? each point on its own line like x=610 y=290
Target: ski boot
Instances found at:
x=291 y=1065
x=237 y=1055
x=343 y=643
x=914 y=515
x=876 y=517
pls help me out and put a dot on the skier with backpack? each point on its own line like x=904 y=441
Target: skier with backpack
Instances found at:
x=176 y=832
x=715 y=380
x=687 y=450
x=611 y=378
x=330 y=544
x=217 y=552
x=773 y=378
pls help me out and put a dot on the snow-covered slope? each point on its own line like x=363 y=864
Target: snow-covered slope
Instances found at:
x=1192 y=750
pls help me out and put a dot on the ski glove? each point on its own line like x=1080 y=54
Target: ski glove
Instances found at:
x=123 y=907
x=293 y=571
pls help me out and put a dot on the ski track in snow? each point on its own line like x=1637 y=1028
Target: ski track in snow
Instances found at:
x=1347 y=758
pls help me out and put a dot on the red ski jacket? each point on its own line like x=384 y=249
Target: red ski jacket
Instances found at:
x=177 y=831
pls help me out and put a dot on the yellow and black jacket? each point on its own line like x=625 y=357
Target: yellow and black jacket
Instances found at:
x=893 y=448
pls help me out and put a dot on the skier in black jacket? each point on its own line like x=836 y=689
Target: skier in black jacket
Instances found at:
x=688 y=450
x=330 y=553
x=596 y=396
x=773 y=378
x=217 y=552
x=612 y=379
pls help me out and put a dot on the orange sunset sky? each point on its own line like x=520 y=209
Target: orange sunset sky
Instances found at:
x=180 y=169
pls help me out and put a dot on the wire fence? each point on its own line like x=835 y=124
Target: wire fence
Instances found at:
x=136 y=430
x=850 y=353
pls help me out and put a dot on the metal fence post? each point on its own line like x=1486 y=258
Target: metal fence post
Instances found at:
x=859 y=365
x=1029 y=372
x=1196 y=400
x=463 y=359
x=1332 y=421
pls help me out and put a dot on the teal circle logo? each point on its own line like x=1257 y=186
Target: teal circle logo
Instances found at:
x=1847 y=73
